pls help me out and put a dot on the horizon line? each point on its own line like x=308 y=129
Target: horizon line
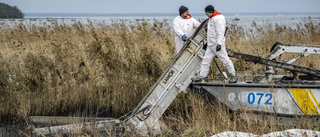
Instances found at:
x=151 y=13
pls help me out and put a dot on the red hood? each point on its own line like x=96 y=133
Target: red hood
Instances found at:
x=216 y=13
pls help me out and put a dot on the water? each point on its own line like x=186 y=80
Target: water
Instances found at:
x=245 y=19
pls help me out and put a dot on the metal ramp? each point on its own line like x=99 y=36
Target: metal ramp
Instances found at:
x=177 y=77
x=144 y=119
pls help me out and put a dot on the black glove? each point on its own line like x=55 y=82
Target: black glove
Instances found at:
x=218 y=48
x=205 y=46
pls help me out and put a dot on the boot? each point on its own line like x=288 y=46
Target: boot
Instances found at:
x=233 y=79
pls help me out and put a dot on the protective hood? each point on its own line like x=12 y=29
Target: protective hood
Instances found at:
x=216 y=13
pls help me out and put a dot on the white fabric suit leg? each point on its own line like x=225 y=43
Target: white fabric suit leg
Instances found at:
x=205 y=64
x=179 y=45
x=223 y=57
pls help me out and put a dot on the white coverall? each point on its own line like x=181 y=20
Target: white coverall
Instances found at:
x=215 y=36
x=183 y=26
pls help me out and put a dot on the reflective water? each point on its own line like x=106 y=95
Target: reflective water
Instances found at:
x=244 y=21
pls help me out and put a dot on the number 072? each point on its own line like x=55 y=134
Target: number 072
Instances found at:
x=252 y=98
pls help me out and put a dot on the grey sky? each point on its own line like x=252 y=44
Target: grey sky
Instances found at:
x=162 y=6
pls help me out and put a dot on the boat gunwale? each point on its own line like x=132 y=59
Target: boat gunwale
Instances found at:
x=255 y=85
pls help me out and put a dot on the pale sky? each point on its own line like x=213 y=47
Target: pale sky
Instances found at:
x=162 y=6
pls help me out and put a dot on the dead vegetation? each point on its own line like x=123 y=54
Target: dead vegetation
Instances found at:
x=104 y=70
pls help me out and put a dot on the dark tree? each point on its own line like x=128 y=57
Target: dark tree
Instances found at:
x=7 y=11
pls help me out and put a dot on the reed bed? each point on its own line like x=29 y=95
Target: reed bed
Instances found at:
x=104 y=69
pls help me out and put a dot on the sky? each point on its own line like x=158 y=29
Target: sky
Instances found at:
x=162 y=6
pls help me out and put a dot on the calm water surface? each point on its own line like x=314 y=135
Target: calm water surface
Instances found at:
x=244 y=21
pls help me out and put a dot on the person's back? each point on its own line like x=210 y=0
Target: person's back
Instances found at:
x=184 y=26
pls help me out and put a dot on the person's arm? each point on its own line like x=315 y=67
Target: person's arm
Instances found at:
x=220 y=26
x=196 y=23
x=177 y=29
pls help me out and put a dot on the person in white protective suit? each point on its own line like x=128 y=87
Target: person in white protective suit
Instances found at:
x=216 y=45
x=184 y=26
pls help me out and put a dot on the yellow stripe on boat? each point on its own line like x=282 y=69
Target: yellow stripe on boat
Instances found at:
x=315 y=100
x=304 y=101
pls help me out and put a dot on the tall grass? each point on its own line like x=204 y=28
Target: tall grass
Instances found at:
x=80 y=69
x=100 y=69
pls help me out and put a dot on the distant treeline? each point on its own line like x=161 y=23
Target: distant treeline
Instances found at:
x=7 y=11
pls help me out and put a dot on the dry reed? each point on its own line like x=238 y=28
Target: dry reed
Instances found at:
x=99 y=69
